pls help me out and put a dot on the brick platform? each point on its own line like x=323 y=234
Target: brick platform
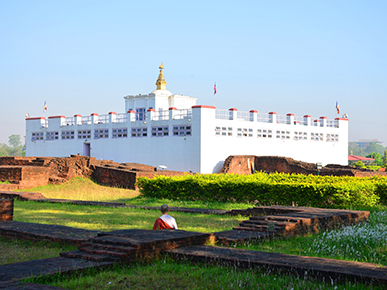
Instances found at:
x=290 y=221
x=12 y=273
x=127 y=245
x=304 y=266
x=42 y=232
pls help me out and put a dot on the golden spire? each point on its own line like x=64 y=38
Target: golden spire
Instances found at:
x=161 y=84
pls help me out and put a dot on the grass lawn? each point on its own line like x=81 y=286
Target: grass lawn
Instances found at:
x=168 y=274
x=14 y=251
x=365 y=242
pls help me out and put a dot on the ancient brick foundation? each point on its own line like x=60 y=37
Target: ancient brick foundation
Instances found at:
x=6 y=209
x=247 y=164
x=27 y=172
x=126 y=177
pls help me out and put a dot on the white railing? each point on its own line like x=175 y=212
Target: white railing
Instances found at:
x=86 y=120
x=160 y=115
x=299 y=120
x=183 y=114
x=332 y=123
x=263 y=118
x=223 y=114
x=103 y=119
x=244 y=116
x=69 y=121
x=121 y=118
x=282 y=119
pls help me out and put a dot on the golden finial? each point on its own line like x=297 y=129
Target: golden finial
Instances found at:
x=161 y=84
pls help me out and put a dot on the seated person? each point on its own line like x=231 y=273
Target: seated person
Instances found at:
x=165 y=222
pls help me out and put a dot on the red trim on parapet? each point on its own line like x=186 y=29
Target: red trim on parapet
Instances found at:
x=131 y=111
x=203 y=106
x=343 y=119
x=56 y=117
x=77 y=115
x=112 y=113
x=272 y=113
x=253 y=111
x=323 y=117
x=172 y=108
x=233 y=109
x=94 y=114
x=36 y=118
x=151 y=110
x=307 y=116
x=289 y=114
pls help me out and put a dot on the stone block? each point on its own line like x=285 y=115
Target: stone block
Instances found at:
x=6 y=209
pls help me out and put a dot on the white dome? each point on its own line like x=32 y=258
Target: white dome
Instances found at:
x=162 y=93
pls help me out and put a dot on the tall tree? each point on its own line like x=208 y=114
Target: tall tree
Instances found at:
x=374 y=147
x=14 y=141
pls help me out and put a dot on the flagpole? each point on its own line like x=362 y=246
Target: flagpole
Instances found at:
x=214 y=92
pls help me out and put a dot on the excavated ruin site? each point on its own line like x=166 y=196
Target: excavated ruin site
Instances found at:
x=104 y=249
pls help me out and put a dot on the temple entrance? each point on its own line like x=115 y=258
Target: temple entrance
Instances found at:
x=86 y=149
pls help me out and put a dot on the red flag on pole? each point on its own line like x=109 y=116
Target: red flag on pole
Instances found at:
x=214 y=88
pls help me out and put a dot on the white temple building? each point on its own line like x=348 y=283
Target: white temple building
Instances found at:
x=161 y=128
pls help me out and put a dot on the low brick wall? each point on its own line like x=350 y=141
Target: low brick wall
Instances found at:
x=8 y=173
x=6 y=209
x=114 y=177
x=118 y=177
x=246 y=164
x=33 y=176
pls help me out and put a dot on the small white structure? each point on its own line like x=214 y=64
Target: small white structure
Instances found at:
x=163 y=128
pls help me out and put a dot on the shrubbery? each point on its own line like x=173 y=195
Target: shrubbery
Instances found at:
x=270 y=189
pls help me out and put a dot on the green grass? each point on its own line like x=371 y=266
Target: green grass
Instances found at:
x=168 y=274
x=5 y=182
x=80 y=188
x=14 y=251
x=109 y=219
x=360 y=243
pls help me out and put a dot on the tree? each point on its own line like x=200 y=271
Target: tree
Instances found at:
x=385 y=158
x=14 y=141
x=378 y=158
x=359 y=164
x=373 y=147
x=354 y=149
x=16 y=148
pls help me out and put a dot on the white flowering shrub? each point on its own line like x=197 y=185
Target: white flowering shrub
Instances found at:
x=361 y=242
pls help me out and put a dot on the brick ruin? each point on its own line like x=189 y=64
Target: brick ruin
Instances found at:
x=27 y=172
x=247 y=164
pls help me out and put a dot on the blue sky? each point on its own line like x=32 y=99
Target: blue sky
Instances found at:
x=297 y=57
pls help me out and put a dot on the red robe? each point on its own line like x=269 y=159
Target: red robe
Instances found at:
x=161 y=225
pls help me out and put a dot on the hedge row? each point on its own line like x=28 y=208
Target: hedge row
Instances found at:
x=270 y=189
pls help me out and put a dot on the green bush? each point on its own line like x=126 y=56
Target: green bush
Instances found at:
x=269 y=189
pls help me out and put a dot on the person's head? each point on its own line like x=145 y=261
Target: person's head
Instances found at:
x=164 y=209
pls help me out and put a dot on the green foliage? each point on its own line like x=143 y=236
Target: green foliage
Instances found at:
x=354 y=149
x=378 y=158
x=16 y=148
x=359 y=164
x=374 y=147
x=273 y=189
